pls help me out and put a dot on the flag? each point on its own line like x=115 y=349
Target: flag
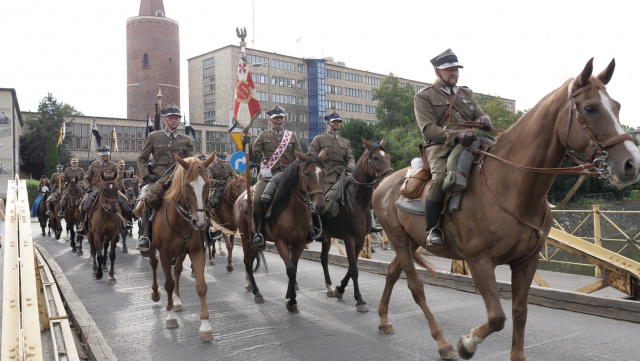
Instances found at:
x=63 y=129
x=115 y=139
x=149 y=127
x=300 y=38
x=96 y=133
x=245 y=106
x=188 y=129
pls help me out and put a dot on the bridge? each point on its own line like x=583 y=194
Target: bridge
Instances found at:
x=121 y=322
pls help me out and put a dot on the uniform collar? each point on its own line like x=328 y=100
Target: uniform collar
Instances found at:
x=447 y=89
x=278 y=132
x=334 y=136
x=171 y=134
x=105 y=162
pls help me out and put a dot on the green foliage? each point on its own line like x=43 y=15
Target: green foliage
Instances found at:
x=51 y=155
x=304 y=147
x=395 y=104
x=493 y=106
x=47 y=123
x=403 y=146
x=354 y=131
x=32 y=189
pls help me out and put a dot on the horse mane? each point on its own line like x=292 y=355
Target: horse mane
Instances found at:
x=287 y=183
x=176 y=190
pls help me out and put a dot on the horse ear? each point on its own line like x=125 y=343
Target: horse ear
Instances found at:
x=210 y=160
x=181 y=161
x=583 y=78
x=366 y=143
x=323 y=153
x=606 y=74
x=383 y=143
x=301 y=156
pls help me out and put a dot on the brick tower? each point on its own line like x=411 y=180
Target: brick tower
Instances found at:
x=153 y=60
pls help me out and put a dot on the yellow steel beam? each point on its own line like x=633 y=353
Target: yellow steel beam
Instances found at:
x=11 y=347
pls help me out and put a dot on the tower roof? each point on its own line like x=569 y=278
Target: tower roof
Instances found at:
x=152 y=8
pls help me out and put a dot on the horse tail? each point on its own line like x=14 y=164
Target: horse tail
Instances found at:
x=422 y=262
x=261 y=260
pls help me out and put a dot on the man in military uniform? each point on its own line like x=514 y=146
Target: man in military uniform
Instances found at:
x=131 y=173
x=91 y=184
x=439 y=108
x=161 y=145
x=121 y=170
x=69 y=173
x=338 y=151
x=56 y=183
x=220 y=173
x=263 y=149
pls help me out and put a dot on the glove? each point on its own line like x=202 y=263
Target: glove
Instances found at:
x=87 y=189
x=246 y=139
x=150 y=178
x=350 y=169
x=465 y=137
x=486 y=122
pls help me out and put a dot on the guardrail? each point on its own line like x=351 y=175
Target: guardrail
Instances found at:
x=31 y=300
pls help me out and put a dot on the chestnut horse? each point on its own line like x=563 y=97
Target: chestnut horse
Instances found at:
x=299 y=193
x=179 y=229
x=353 y=222
x=103 y=230
x=224 y=216
x=71 y=213
x=504 y=216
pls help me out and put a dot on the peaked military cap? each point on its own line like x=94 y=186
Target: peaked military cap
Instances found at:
x=171 y=109
x=131 y=169
x=222 y=157
x=74 y=160
x=276 y=112
x=104 y=151
x=446 y=59
x=60 y=166
x=121 y=162
x=333 y=116
x=202 y=157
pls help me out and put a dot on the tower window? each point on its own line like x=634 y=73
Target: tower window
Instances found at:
x=159 y=14
x=145 y=61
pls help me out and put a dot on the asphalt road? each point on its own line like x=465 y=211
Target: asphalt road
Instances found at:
x=325 y=328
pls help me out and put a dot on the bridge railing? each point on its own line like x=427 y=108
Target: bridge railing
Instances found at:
x=31 y=300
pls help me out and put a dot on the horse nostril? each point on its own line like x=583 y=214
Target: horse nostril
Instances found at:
x=631 y=167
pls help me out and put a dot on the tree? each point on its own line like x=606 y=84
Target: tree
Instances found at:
x=354 y=131
x=493 y=106
x=395 y=104
x=47 y=123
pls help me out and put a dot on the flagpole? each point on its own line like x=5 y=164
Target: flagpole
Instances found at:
x=245 y=147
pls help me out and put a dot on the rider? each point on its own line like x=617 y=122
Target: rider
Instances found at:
x=70 y=172
x=161 y=145
x=267 y=143
x=56 y=179
x=121 y=169
x=220 y=173
x=91 y=184
x=438 y=109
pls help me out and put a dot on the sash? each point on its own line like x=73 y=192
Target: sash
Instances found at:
x=265 y=169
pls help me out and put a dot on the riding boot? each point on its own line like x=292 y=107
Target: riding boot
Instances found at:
x=80 y=229
x=316 y=233
x=126 y=211
x=432 y=213
x=214 y=233
x=48 y=213
x=258 y=238
x=143 y=243
x=63 y=204
x=375 y=229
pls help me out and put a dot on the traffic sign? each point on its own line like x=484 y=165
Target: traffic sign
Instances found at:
x=237 y=138
x=238 y=161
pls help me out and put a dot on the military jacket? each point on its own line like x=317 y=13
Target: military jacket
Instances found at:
x=121 y=173
x=338 y=156
x=160 y=147
x=92 y=176
x=69 y=173
x=267 y=143
x=218 y=172
x=55 y=181
x=431 y=105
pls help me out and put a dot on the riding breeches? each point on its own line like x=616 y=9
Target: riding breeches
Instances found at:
x=438 y=172
x=258 y=189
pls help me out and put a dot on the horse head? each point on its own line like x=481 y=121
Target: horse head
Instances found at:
x=109 y=191
x=311 y=179
x=236 y=187
x=190 y=185
x=73 y=186
x=378 y=161
x=593 y=127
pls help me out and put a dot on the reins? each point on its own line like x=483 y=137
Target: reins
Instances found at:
x=378 y=175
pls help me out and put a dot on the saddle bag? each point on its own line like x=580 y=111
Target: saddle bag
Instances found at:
x=458 y=167
x=331 y=199
x=155 y=196
x=414 y=182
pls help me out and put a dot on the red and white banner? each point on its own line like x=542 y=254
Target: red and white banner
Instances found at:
x=245 y=105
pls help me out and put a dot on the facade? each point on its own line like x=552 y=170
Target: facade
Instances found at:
x=307 y=88
x=11 y=127
x=153 y=60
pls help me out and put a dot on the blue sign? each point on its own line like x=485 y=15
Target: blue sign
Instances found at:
x=238 y=162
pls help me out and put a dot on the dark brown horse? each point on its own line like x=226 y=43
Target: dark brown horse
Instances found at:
x=353 y=222
x=103 y=230
x=55 y=222
x=71 y=212
x=504 y=216
x=42 y=214
x=298 y=194
x=224 y=216
x=179 y=229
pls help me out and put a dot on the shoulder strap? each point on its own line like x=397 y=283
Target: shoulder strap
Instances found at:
x=277 y=144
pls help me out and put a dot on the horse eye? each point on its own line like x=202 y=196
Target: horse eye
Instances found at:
x=591 y=108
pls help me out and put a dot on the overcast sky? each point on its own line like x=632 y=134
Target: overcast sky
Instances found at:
x=522 y=50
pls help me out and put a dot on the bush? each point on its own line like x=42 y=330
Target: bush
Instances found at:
x=32 y=190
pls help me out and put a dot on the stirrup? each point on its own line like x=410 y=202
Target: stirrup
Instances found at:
x=258 y=241
x=61 y=214
x=48 y=213
x=143 y=244
x=375 y=229
x=81 y=231
x=434 y=238
x=318 y=235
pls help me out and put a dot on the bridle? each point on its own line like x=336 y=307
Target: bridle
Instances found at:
x=103 y=196
x=306 y=197
x=377 y=174
x=187 y=214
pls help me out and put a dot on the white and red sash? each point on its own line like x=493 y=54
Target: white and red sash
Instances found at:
x=266 y=168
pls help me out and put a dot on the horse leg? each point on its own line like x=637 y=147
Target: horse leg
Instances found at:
x=97 y=269
x=112 y=258
x=79 y=239
x=153 y=261
x=324 y=261
x=521 y=276
x=177 y=270
x=72 y=239
x=291 y=262
x=169 y=285
x=105 y=248
x=361 y=305
x=123 y=234
x=351 y=250
x=483 y=274
x=393 y=274
x=228 y=240
x=251 y=285
x=197 y=261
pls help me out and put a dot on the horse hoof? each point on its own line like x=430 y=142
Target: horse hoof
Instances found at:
x=155 y=297
x=297 y=288
x=259 y=299
x=463 y=352
x=248 y=287
x=362 y=308
x=42 y=234
x=223 y=253
x=177 y=308
x=230 y=268
x=74 y=250
x=331 y=292
x=125 y=249
x=145 y=254
x=112 y=281
x=447 y=353
x=339 y=295
x=386 y=329
x=293 y=308
x=171 y=323
x=212 y=263
x=206 y=336
x=80 y=253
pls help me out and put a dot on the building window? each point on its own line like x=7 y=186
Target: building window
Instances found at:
x=353 y=107
x=197 y=143
x=207 y=62
x=334 y=74
x=357 y=78
x=333 y=89
x=221 y=142
x=334 y=105
x=159 y=14
x=367 y=94
x=369 y=109
x=79 y=137
x=145 y=61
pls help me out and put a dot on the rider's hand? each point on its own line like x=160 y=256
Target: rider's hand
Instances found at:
x=465 y=137
x=150 y=178
x=350 y=169
x=246 y=139
x=486 y=122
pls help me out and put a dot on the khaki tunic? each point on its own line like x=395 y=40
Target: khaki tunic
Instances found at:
x=92 y=177
x=54 y=181
x=338 y=156
x=71 y=172
x=430 y=105
x=159 y=146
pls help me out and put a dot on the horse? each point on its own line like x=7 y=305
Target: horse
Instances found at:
x=71 y=213
x=104 y=226
x=353 y=222
x=299 y=193
x=130 y=190
x=55 y=221
x=504 y=216
x=42 y=214
x=224 y=216
x=179 y=229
